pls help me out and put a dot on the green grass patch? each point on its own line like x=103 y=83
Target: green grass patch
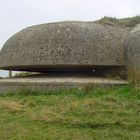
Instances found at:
x=111 y=113
x=125 y=22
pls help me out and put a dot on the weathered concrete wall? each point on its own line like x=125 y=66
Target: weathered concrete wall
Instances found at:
x=64 y=44
x=53 y=83
x=132 y=45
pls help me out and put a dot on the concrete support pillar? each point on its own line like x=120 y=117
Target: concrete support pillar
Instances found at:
x=10 y=73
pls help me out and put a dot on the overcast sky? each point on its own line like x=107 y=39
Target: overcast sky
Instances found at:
x=18 y=14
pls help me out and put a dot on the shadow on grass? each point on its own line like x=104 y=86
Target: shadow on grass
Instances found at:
x=91 y=125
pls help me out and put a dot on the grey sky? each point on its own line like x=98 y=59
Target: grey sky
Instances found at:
x=18 y=14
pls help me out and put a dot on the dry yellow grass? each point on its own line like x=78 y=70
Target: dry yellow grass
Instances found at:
x=11 y=105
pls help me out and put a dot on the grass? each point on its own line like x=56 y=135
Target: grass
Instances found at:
x=125 y=22
x=91 y=113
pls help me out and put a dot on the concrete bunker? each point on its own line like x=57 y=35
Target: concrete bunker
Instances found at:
x=68 y=47
x=83 y=49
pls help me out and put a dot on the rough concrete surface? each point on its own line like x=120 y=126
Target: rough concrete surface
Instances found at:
x=54 y=83
x=64 y=44
x=132 y=46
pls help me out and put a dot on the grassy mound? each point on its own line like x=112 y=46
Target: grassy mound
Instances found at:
x=125 y=22
x=76 y=114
